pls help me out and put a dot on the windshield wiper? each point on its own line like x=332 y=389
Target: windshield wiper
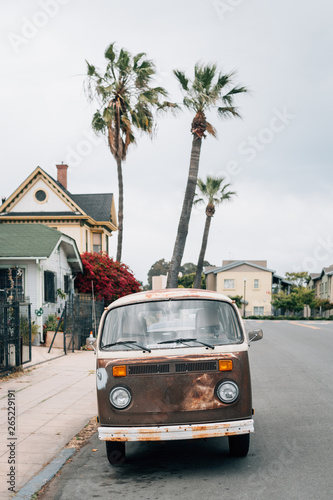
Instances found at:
x=184 y=341
x=128 y=344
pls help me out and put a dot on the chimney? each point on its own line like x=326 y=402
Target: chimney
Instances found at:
x=62 y=174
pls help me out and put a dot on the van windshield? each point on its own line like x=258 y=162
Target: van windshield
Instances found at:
x=171 y=324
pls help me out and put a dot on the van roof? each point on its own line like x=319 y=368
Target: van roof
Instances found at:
x=169 y=294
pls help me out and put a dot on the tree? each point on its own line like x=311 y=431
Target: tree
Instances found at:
x=237 y=299
x=214 y=192
x=126 y=101
x=188 y=268
x=161 y=267
x=294 y=301
x=204 y=93
x=187 y=280
x=322 y=305
x=111 y=279
x=298 y=279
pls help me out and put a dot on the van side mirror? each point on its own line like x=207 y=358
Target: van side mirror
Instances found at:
x=255 y=335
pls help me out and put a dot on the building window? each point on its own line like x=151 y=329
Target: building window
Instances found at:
x=49 y=286
x=256 y=284
x=229 y=283
x=86 y=241
x=97 y=242
x=107 y=244
x=258 y=311
x=66 y=283
x=11 y=283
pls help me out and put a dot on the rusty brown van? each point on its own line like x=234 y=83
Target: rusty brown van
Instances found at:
x=173 y=364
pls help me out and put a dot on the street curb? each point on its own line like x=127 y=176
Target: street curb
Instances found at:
x=43 y=477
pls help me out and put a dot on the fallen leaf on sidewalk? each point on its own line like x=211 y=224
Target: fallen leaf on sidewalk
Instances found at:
x=82 y=437
x=95 y=449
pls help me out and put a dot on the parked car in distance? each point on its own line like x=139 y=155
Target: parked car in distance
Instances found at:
x=173 y=364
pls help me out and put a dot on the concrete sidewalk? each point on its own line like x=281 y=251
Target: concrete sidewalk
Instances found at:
x=54 y=399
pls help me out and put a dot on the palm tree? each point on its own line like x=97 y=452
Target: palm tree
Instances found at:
x=126 y=102
x=214 y=192
x=208 y=90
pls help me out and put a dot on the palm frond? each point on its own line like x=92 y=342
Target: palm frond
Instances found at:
x=214 y=191
x=169 y=106
x=237 y=90
x=98 y=122
x=123 y=63
x=203 y=76
x=137 y=58
x=210 y=129
x=180 y=75
x=160 y=91
x=224 y=79
x=226 y=111
x=190 y=103
x=110 y=53
x=91 y=70
x=198 y=200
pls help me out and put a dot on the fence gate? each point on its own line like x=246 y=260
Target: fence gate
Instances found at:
x=15 y=335
x=82 y=316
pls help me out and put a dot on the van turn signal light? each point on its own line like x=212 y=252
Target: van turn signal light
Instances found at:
x=225 y=365
x=119 y=371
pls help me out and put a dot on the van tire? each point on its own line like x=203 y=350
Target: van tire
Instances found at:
x=239 y=445
x=115 y=451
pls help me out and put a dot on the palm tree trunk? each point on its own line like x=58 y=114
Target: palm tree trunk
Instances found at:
x=120 y=210
x=197 y=279
x=184 y=221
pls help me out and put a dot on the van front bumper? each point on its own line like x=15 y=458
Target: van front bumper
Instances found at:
x=174 y=432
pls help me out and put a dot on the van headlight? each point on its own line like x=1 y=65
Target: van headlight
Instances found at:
x=120 y=397
x=227 y=392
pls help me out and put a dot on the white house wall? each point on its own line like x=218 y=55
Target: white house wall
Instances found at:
x=30 y=285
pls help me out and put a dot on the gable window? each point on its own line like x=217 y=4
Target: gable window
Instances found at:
x=40 y=196
x=49 y=286
x=97 y=242
x=256 y=284
x=229 y=283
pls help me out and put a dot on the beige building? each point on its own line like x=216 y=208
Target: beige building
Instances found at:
x=90 y=219
x=252 y=280
x=322 y=284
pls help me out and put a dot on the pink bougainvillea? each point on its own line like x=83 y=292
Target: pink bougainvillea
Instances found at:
x=111 y=279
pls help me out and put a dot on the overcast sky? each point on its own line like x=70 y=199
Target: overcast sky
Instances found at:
x=278 y=157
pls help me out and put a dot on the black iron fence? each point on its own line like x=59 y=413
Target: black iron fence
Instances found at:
x=15 y=335
x=80 y=317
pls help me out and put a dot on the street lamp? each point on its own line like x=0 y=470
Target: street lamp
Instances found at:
x=244 y=296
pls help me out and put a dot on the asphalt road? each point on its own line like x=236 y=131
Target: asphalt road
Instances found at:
x=291 y=452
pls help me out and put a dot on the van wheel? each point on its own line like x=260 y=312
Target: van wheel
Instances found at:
x=115 y=451
x=239 y=445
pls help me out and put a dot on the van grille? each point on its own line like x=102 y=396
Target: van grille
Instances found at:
x=199 y=366
x=142 y=369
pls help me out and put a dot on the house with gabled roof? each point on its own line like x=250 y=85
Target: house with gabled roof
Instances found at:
x=90 y=219
x=250 y=279
x=36 y=262
x=322 y=284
